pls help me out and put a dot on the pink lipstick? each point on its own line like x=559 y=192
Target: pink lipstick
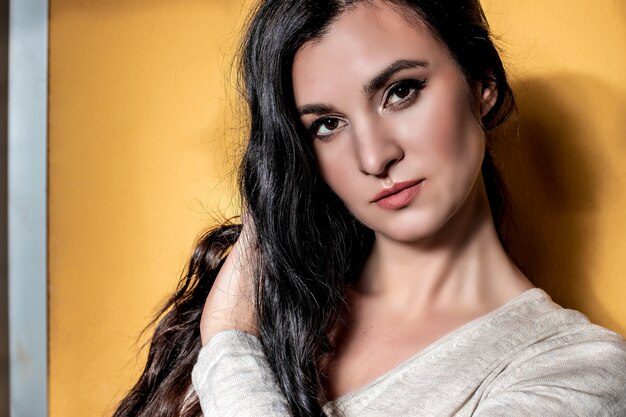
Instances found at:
x=398 y=195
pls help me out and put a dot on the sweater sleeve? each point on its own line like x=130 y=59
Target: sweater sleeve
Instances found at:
x=233 y=378
x=586 y=379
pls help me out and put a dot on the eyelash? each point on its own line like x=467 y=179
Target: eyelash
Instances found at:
x=315 y=126
x=414 y=85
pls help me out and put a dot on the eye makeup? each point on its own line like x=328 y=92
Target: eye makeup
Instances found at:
x=329 y=123
x=402 y=93
x=398 y=96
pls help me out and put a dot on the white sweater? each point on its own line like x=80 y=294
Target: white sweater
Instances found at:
x=529 y=357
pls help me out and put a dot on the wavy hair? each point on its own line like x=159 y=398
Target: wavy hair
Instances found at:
x=310 y=246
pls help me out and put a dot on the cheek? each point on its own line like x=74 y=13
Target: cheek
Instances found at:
x=461 y=150
x=329 y=170
x=453 y=137
x=336 y=167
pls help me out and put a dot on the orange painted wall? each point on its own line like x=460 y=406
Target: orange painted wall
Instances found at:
x=140 y=125
x=139 y=130
x=567 y=165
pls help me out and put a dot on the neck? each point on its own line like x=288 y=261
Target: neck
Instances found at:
x=464 y=265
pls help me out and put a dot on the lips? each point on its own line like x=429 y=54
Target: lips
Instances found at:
x=397 y=196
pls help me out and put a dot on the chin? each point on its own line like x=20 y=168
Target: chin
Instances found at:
x=407 y=229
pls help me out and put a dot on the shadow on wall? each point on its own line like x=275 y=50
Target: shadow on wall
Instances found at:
x=552 y=162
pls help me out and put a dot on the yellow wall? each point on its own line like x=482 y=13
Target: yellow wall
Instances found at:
x=567 y=167
x=137 y=98
x=137 y=144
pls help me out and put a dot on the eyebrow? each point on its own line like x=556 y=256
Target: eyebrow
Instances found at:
x=316 y=109
x=381 y=79
x=375 y=84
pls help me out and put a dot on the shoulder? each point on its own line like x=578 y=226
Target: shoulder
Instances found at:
x=569 y=366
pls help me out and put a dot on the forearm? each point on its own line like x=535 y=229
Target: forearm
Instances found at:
x=230 y=303
x=233 y=378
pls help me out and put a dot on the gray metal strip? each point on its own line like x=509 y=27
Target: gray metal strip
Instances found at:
x=27 y=163
x=4 y=299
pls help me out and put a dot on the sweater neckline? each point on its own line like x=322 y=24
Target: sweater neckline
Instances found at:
x=524 y=297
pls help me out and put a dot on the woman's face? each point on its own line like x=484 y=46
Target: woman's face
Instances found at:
x=395 y=132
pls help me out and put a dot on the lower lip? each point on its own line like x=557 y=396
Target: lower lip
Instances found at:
x=400 y=199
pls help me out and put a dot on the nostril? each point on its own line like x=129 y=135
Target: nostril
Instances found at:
x=389 y=164
x=377 y=152
x=379 y=167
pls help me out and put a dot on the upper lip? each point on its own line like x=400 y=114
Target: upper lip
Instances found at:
x=396 y=188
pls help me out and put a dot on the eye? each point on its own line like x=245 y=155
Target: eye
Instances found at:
x=325 y=127
x=402 y=92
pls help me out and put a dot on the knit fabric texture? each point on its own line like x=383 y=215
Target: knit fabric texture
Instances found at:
x=529 y=357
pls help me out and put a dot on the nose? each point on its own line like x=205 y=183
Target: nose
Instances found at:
x=377 y=149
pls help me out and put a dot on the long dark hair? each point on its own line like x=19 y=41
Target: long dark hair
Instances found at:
x=310 y=246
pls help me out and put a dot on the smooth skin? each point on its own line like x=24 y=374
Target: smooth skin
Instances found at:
x=385 y=103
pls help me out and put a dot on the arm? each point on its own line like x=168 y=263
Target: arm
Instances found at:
x=230 y=303
x=233 y=379
x=232 y=376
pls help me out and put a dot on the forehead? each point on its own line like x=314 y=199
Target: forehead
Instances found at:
x=362 y=41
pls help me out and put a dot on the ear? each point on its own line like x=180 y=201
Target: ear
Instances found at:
x=488 y=97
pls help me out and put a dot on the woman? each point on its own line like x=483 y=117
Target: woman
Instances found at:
x=370 y=278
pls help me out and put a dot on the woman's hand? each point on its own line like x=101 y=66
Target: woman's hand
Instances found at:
x=230 y=304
